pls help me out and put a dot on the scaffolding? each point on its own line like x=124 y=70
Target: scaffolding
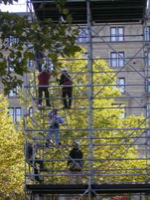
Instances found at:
x=116 y=150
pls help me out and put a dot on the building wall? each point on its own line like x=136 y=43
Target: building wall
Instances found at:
x=134 y=71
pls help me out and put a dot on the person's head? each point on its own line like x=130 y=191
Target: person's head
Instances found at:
x=75 y=145
x=29 y=144
x=55 y=110
x=64 y=70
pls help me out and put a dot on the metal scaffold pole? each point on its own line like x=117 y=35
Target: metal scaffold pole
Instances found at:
x=90 y=96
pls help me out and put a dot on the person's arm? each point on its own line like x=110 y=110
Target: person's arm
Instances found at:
x=61 y=120
x=48 y=75
x=57 y=79
x=69 y=158
x=61 y=79
x=29 y=151
x=50 y=114
x=81 y=161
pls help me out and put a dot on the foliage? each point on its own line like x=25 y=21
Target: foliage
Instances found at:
x=11 y=156
x=53 y=39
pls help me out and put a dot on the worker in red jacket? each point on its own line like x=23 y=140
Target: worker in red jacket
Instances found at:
x=66 y=82
x=43 y=84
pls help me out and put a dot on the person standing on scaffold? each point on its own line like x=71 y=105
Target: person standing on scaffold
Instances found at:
x=43 y=82
x=66 y=82
x=55 y=121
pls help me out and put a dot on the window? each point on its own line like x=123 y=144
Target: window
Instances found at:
x=13 y=62
x=117 y=59
x=148 y=137
x=147 y=85
x=148 y=110
x=30 y=111
x=15 y=112
x=12 y=40
x=47 y=64
x=14 y=92
x=147 y=33
x=123 y=110
x=121 y=84
x=18 y=114
x=116 y=34
x=83 y=35
x=147 y=58
x=10 y=64
x=123 y=114
x=30 y=63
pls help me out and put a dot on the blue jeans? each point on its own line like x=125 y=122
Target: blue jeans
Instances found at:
x=56 y=132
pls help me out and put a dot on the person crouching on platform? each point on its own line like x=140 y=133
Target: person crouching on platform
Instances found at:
x=75 y=164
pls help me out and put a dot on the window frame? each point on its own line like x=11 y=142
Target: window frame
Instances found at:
x=117 y=59
x=148 y=110
x=15 y=116
x=30 y=64
x=14 y=92
x=12 y=40
x=147 y=85
x=116 y=36
x=18 y=116
x=146 y=33
x=147 y=58
x=83 y=35
x=31 y=111
x=120 y=85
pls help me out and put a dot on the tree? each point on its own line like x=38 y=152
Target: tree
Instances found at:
x=11 y=156
x=53 y=39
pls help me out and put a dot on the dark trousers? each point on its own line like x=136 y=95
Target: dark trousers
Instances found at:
x=45 y=90
x=34 y=165
x=67 y=97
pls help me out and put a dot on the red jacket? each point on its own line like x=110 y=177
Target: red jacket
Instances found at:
x=44 y=77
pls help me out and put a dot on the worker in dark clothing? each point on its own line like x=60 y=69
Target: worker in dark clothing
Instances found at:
x=33 y=161
x=43 y=79
x=66 y=82
x=75 y=163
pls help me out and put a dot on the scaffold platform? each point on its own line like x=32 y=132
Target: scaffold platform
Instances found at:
x=81 y=188
x=102 y=11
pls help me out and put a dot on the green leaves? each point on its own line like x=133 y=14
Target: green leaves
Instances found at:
x=11 y=156
x=11 y=81
x=28 y=55
x=22 y=38
x=65 y=11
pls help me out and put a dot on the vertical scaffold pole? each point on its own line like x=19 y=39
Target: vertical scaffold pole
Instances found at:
x=146 y=46
x=90 y=96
